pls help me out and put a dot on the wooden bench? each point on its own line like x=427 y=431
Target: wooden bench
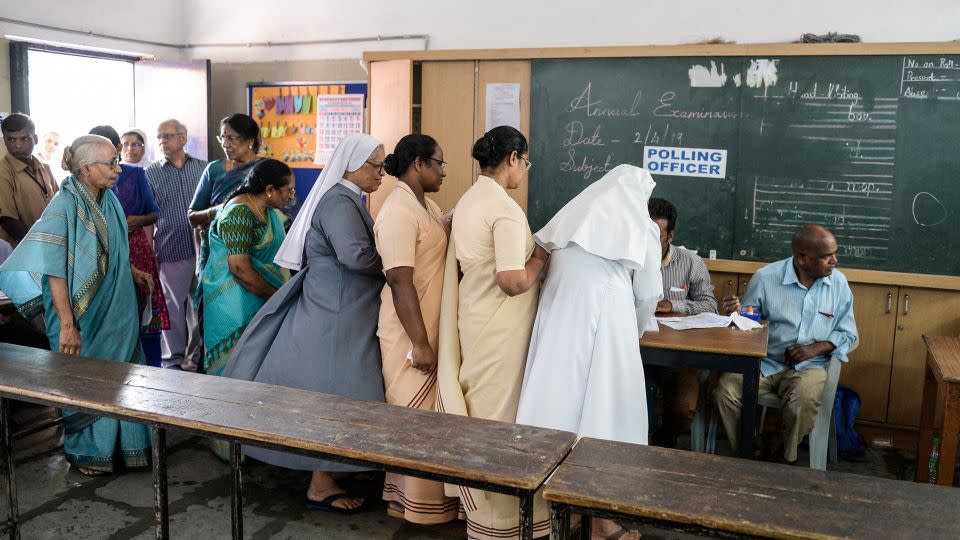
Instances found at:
x=942 y=381
x=718 y=496
x=494 y=456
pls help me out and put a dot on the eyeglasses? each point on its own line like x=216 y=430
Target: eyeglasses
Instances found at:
x=378 y=166
x=132 y=145
x=443 y=164
x=526 y=162
x=229 y=138
x=112 y=163
x=166 y=136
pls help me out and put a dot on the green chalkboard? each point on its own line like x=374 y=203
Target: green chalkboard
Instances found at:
x=749 y=148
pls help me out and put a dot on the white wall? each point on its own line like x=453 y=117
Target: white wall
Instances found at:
x=160 y=21
x=459 y=24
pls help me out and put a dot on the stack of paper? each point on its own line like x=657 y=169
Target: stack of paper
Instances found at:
x=709 y=320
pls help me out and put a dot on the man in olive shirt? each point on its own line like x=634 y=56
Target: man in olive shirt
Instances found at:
x=26 y=183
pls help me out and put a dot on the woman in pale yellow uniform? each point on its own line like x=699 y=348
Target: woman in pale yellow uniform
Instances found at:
x=487 y=318
x=411 y=236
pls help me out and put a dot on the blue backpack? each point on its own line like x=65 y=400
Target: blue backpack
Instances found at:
x=846 y=407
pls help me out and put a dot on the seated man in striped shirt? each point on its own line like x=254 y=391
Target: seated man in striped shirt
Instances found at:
x=686 y=289
x=809 y=306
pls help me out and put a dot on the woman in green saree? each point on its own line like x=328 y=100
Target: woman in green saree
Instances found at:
x=74 y=266
x=240 y=274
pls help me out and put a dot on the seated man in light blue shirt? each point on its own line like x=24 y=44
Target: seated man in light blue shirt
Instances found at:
x=810 y=310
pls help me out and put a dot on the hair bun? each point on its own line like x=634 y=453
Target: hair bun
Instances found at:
x=67 y=158
x=391 y=165
x=483 y=149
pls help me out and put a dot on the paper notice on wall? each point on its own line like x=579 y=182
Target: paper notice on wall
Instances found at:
x=503 y=105
x=338 y=115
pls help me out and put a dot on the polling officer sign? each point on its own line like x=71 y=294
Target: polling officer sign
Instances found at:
x=673 y=161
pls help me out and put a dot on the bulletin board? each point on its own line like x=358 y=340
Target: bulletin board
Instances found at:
x=300 y=122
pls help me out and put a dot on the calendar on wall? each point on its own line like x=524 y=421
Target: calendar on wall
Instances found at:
x=337 y=117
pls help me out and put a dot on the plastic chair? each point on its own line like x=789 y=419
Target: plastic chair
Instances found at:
x=822 y=439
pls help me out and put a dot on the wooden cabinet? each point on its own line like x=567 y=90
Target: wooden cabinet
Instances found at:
x=919 y=311
x=868 y=371
x=445 y=118
x=722 y=283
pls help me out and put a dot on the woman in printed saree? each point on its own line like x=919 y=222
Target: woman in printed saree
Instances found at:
x=240 y=139
x=486 y=317
x=319 y=331
x=411 y=236
x=74 y=266
x=240 y=274
x=136 y=198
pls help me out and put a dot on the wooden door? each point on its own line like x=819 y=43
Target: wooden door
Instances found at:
x=391 y=113
x=919 y=312
x=868 y=371
x=447 y=115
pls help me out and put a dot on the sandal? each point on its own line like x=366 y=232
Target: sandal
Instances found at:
x=91 y=472
x=326 y=505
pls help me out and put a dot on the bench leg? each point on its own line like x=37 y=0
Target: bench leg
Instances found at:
x=6 y=446
x=161 y=511
x=748 y=412
x=526 y=516
x=928 y=407
x=586 y=526
x=559 y=521
x=948 y=436
x=236 y=491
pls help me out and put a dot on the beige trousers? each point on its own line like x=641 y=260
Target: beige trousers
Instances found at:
x=800 y=392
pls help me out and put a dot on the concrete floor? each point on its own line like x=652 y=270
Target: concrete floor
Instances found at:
x=59 y=503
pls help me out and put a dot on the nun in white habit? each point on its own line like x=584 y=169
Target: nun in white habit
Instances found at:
x=584 y=373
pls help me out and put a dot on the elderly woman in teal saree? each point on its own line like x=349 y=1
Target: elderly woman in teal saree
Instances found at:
x=240 y=274
x=74 y=266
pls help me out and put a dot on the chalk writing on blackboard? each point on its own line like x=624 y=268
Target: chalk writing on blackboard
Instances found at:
x=930 y=79
x=927 y=210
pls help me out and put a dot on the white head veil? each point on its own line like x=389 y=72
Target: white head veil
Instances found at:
x=147 y=158
x=349 y=156
x=608 y=219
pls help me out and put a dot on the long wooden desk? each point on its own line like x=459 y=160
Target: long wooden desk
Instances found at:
x=724 y=349
x=718 y=496
x=494 y=456
x=942 y=380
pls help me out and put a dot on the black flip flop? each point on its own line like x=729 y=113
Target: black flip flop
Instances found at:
x=326 y=505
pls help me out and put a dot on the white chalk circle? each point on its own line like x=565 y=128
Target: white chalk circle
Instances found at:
x=927 y=210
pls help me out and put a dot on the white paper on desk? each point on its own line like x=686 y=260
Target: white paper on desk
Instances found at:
x=700 y=320
x=651 y=325
x=743 y=323
x=503 y=105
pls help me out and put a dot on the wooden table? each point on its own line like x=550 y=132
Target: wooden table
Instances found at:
x=483 y=454
x=717 y=496
x=942 y=380
x=723 y=349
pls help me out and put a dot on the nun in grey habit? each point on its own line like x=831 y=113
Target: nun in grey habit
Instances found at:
x=318 y=331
